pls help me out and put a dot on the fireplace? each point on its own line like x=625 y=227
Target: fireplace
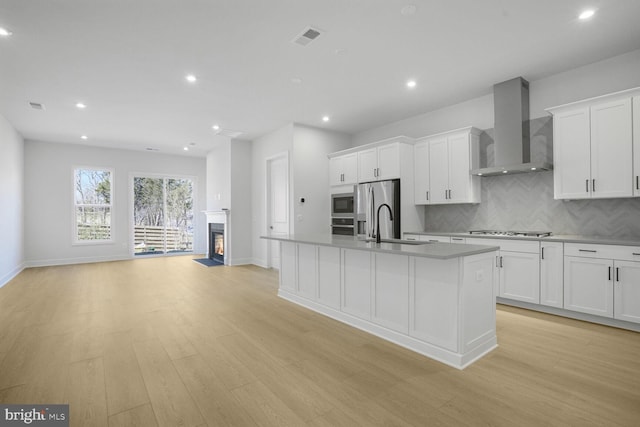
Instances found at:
x=216 y=242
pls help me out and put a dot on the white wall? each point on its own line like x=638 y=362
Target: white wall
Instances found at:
x=311 y=176
x=49 y=199
x=241 y=206
x=611 y=75
x=218 y=177
x=274 y=143
x=11 y=202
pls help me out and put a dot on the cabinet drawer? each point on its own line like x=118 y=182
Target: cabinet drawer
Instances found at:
x=527 y=246
x=625 y=253
x=431 y=238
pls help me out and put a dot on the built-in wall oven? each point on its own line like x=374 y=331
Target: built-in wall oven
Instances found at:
x=342 y=214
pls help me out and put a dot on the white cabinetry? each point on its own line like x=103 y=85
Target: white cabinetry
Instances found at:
x=592 y=148
x=636 y=145
x=343 y=170
x=518 y=265
x=356 y=289
x=551 y=274
x=603 y=280
x=451 y=156
x=379 y=163
x=421 y=172
x=428 y=238
x=329 y=276
x=391 y=292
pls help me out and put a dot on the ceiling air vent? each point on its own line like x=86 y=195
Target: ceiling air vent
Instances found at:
x=36 y=106
x=228 y=133
x=308 y=35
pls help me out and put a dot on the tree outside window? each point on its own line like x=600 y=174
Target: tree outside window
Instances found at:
x=93 y=204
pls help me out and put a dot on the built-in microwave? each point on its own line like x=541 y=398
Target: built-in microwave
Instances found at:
x=342 y=205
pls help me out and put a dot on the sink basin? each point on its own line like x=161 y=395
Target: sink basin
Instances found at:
x=401 y=241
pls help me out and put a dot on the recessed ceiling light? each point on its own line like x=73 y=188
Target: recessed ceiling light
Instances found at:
x=191 y=78
x=411 y=84
x=505 y=171
x=408 y=10
x=186 y=148
x=480 y=174
x=325 y=119
x=4 y=32
x=586 y=14
x=81 y=106
x=533 y=169
x=84 y=137
x=215 y=127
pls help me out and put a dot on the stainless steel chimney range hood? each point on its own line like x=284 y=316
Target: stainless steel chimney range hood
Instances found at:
x=511 y=131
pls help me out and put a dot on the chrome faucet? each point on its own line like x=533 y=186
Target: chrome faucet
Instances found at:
x=378 y=220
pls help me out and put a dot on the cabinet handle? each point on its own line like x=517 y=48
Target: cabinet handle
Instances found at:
x=593 y=185
x=501 y=262
x=586 y=183
x=637 y=182
x=542 y=253
x=586 y=250
x=436 y=241
x=617 y=274
x=427 y=195
x=445 y=194
x=378 y=172
x=609 y=273
x=635 y=253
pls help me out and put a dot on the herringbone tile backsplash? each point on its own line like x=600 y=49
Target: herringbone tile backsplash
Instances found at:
x=525 y=202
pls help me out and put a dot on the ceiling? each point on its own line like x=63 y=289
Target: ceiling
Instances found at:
x=127 y=61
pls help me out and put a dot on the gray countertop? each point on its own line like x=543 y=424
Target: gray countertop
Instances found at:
x=565 y=238
x=428 y=250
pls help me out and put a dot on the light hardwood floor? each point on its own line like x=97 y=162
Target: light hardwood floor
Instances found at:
x=168 y=342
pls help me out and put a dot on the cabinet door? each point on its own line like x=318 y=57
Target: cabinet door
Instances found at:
x=551 y=274
x=611 y=149
x=636 y=145
x=520 y=276
x=421 y=173
x=391 y=292
x=335 y=171
x=439 y=170
x=434 y=301
x=367 y=165
x=627 y=291
x=459 y=240
x=459 y=167
x=306 y=271
x=572 y=154
x=329 y=276
x=588 y=285
x=356 y=283
x=288 y=266
x=350 y=169
x=388 y=161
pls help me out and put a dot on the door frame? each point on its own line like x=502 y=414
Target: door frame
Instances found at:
x=267 y=200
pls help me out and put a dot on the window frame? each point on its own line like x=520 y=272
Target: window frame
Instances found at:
x=74 y=229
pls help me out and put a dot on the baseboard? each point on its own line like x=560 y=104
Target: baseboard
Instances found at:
x=13 y=273
x=67 y=261
x=241 y=261
x=259 y=263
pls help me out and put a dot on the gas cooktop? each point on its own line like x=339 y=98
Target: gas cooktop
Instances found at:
x=510 y=233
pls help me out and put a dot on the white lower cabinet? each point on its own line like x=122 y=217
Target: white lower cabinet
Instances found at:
x=329 y=276
x=551 y=274
x=433 y=292
x=588 y=286
x=391 y=291
x=626 y=305
x=288 y=264
x=356 y=289
x=428 y=238
x=306 y=271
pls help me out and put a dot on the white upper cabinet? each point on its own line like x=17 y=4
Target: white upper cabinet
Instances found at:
x=343 y=170
x=378 y=163
x=451 y=156
x=593 y=148
x=636 y=146
x=421 y=172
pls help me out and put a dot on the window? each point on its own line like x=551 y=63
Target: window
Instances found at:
x=93 y=204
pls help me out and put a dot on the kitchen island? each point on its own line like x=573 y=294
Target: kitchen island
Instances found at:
x=437 y=299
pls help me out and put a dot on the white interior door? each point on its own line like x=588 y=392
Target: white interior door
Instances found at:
x=277 y=204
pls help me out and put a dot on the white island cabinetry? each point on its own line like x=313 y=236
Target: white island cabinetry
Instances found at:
x=440 y=303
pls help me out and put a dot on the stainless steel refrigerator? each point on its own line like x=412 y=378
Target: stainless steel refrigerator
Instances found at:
x=369 y=197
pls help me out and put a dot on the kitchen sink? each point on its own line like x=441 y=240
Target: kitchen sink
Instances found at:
x=401 y=241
